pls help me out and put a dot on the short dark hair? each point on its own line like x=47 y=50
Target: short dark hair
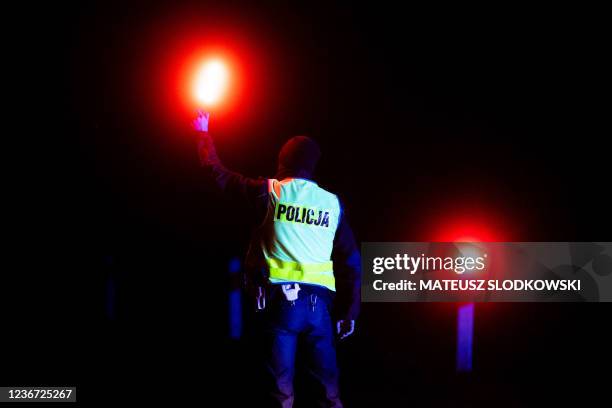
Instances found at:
x=300 y=153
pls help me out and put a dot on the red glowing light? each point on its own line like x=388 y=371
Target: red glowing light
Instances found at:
x=211 y=82
x=468 y=230
x=474 y=225
x=207 y=65
x=212 y=79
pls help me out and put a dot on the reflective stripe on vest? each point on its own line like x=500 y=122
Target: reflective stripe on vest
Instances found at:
x=317 y=273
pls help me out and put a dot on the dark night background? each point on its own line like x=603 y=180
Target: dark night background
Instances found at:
x=424 y=114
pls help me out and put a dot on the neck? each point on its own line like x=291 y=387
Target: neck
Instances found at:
x=284 y=173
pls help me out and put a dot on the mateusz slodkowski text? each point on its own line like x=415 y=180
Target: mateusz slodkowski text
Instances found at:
x=480 y=285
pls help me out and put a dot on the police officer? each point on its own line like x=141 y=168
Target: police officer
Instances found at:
x=303 y=264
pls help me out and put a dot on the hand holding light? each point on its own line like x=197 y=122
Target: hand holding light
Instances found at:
x=206 y=147
x=200 y=123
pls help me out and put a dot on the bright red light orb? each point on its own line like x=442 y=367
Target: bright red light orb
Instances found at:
x=211 y=82
x=470 y=224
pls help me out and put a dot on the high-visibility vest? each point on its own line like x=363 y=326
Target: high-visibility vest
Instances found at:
x=297 y=235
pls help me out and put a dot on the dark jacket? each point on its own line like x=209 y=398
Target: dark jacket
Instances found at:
x=345 y=253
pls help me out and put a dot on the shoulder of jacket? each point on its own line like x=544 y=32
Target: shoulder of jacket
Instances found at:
x=331 y=196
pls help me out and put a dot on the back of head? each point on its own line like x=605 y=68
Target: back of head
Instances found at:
x=298 y=157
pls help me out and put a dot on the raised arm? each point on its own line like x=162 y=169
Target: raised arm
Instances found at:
x=230 y=182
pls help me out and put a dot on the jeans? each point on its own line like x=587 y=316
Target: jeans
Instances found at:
x=308 y=319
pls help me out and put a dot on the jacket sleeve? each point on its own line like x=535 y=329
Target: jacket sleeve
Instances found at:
x=347 y=272
x=230 y=182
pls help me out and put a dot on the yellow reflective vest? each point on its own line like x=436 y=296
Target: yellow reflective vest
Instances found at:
x=297 y=234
